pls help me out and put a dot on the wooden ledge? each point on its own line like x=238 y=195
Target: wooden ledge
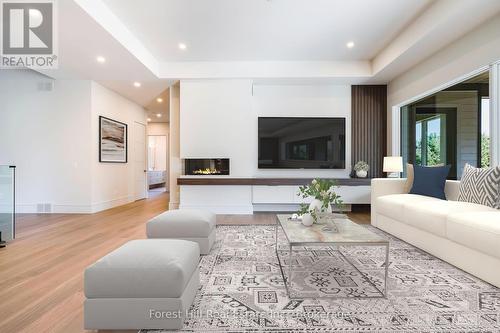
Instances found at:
x=268 y=181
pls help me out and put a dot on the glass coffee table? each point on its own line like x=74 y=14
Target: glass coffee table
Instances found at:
x=335 y=233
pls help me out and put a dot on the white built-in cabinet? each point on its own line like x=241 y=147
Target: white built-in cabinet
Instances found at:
x=245 y=199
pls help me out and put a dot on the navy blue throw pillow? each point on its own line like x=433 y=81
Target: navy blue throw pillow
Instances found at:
x=430 y=181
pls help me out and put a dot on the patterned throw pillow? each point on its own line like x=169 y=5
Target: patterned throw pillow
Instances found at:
x=480 y=186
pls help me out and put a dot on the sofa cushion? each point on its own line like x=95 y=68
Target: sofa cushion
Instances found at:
x=146 y=268
x=481 y=186
x=431 y=216
x=430 y=181
x=393 y=205
x=479 y=231
x=181 y=223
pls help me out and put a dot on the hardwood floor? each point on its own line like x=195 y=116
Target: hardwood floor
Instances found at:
x=41 y=272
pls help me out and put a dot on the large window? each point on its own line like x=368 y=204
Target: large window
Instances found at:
x=449 y=127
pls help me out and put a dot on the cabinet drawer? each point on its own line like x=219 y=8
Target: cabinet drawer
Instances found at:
x=273 y=194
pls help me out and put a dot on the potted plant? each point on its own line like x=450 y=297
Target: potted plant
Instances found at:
x=361 y=169
x=323 y=192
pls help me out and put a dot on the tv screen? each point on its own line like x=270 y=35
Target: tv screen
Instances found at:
x=301 y=143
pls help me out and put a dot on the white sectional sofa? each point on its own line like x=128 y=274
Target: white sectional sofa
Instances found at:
x=464 y=234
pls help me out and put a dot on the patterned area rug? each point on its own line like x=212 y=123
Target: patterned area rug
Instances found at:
x=242 y=289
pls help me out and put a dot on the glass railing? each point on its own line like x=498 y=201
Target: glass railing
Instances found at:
x=7 y=203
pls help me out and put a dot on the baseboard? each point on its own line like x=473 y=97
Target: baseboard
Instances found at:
x=56 y=209
x=100 y=206
x=75 y=209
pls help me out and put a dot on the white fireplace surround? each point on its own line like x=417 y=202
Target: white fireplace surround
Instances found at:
x=219 y=118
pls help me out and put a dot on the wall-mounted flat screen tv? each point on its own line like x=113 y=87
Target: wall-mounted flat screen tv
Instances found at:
x=301 y=143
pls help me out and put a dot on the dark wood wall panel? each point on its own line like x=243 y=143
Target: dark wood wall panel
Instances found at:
x=369 y=126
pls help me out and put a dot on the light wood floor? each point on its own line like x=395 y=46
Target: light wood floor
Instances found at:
x=41 y=272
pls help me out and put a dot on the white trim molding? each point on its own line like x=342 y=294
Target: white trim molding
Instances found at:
x=495 y=113
x=396 y=131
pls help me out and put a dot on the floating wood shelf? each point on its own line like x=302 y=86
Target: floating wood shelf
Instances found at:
x=268 y=181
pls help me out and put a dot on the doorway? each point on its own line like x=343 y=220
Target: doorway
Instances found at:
x=157 y=163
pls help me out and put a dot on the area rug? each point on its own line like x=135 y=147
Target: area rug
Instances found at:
x=242 y=289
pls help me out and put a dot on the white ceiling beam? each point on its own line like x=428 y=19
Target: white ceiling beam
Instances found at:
x=265 y=69
x=108 y=20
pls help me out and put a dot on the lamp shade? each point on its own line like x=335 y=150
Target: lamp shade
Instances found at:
x=393 y=164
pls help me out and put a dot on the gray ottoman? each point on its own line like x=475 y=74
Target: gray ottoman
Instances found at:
x=148 y=283
x=188 y=224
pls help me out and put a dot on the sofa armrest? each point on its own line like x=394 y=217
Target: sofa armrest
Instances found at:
x=451 y=189
x=384 y=186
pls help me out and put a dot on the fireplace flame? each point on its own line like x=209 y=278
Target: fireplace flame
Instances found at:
x=207 y=171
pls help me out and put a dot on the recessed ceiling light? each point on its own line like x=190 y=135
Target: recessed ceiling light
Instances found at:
x=159 y=99
x=182 y=46
x=101 y=59
x=350 y=44
x=137 y=84
x=149 y=119
x=158 y=115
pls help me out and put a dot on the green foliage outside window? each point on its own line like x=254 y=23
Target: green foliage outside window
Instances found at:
x=485 y=151
x=433 y=150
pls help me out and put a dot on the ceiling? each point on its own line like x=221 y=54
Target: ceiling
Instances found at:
x=287 y=41
x=159 y=106
x=265 y=30
x=480 y=78
x=81 y=39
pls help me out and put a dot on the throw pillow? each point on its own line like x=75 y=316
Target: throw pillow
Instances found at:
x=480 y=186
x=430 y=181
x=409 y=176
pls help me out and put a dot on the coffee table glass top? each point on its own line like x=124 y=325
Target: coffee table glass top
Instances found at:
x=348 y=231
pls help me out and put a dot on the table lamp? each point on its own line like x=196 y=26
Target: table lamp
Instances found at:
x=393 y=165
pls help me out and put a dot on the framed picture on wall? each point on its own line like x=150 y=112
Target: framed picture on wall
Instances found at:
x=112 y=141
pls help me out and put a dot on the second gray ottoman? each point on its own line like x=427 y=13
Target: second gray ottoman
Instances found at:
x=188 y=224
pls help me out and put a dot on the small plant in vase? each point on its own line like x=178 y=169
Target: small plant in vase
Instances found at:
x=323 y=192
x=361 y=169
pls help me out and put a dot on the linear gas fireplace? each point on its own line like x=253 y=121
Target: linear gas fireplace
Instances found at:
x=206 y=166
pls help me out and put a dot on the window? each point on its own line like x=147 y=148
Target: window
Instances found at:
x=450 y=127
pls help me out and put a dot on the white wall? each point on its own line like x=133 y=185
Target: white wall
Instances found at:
x=219 y=119
x=113 y=184
x=477 y=49
x=174 y=146
x=302 y=101
x=46 y=135
x=157 y=129
x=49 y=130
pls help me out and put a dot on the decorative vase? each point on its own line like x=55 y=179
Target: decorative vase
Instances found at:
x=361 y=173
x=316 y=204
x=307 y=220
